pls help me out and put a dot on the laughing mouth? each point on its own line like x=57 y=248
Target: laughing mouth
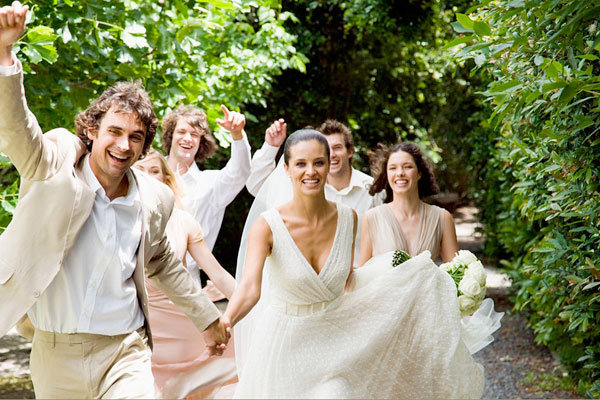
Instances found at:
x=119 y=158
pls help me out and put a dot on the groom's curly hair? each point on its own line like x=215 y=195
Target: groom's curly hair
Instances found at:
x=379 y=160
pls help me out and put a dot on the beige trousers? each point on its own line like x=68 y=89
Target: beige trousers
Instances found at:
x=84 y=365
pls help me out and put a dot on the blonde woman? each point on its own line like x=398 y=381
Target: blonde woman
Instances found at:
x=180 y=363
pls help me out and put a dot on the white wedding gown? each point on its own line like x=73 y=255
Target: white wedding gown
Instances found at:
x=395 y=335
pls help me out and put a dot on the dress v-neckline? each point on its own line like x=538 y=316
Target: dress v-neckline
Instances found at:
x=401 y=232
x=302 y=256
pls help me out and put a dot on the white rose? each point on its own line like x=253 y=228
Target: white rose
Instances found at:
x=476 y=271
x=448 y=267
x=467 y=305
x=464 y=257
x=469 y=287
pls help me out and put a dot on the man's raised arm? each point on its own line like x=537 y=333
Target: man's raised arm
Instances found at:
x=21 y=138
x=12 y=27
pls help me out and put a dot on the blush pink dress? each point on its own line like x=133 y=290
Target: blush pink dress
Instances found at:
x=181 y=365
x=386 y=233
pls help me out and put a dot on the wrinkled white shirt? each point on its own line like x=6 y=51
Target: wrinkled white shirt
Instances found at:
x=207 y=193
x=94 y=291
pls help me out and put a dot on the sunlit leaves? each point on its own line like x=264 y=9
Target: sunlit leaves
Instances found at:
x=540 y=182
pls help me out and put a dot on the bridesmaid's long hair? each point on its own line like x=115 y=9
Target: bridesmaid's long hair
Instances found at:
x=379 y=160
x=171 y=179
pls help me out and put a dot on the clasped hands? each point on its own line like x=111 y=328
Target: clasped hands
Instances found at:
x=216 y=336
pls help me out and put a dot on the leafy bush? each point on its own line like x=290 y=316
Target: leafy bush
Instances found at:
x=540 y=169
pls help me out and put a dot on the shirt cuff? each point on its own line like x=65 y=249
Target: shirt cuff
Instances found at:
x=12 y=69
x=269 y=150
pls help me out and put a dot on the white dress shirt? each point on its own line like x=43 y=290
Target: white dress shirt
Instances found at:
x=355 y=195
x=94 y=291
x=207 y=193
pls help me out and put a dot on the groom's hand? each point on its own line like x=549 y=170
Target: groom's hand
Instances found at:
x=12 y=27
x=216 y=338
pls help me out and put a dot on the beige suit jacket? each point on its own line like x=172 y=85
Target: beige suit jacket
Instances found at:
x=55 y=201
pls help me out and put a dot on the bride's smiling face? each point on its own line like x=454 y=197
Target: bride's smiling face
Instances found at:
x=308 y=166
x=402 y=172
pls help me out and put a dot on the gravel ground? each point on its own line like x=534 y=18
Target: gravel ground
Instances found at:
x=515 y=366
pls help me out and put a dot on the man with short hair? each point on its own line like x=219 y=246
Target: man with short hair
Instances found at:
x=86 y=231
x=345 y=184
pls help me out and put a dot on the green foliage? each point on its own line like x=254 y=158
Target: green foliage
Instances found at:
x=540 y=168
x=380 y=67
x=204 y=53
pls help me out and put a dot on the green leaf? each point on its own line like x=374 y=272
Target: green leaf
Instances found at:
x=40 y=34
x=47 y=52
x=458 y=40
x=481 y=28
x=568 y=93
x=479 y=59
x=459 y=28
x=532 y=96
x=33 y=55
x=552 y=86
x=538 y=60
x=499 y=88
x=225 y=4
x=464 y=20
x=134 y=36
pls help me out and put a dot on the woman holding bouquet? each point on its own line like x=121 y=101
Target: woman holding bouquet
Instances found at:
x=405 y=222
x=303 y=332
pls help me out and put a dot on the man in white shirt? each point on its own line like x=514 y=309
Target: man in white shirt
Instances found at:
x=187 y=139
x=344 y=183
x=206 y=193
x=86 y=230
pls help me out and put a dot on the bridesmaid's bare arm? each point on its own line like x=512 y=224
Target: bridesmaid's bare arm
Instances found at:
x=354 y=229
x=366 y=246
x=247 y=294
x=449 y=245
x=217 y=274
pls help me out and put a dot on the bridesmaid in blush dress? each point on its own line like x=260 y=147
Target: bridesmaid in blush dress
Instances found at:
x=405 y=222
x=181 y=365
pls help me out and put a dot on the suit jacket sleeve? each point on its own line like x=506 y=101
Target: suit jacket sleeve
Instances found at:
x=21 y=139
x=170 y=275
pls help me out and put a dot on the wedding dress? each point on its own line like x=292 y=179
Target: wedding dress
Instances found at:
x=395 y=335
x=386 y=235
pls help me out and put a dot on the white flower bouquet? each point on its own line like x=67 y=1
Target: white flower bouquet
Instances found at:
x=469 y=275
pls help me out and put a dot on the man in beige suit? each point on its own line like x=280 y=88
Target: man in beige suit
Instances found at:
x=85 y=232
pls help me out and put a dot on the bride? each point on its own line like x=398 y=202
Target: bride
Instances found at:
x=394 y=335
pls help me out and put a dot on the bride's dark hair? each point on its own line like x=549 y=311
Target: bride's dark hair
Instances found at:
x=303 y=135
x=379 y=160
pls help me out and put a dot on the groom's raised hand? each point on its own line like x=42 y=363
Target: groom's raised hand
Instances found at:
x=12 y=27
x=216 y=337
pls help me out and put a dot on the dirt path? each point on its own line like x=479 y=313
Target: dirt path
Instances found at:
x=515 y=366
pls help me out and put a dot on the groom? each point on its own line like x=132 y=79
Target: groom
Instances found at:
x=86 y=230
